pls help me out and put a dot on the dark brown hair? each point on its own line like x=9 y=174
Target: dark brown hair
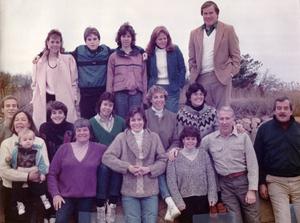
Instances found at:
x=123 y=30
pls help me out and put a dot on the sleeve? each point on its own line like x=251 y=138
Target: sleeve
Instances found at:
x=211 y=179
x=252 y=166
x=73 y=53
x=174 y=139
x=145 y=82
x=192 y=58
x=141 y=50
x=234 y=51
x=172 y=184
x=6 y=171
x=179 y=123
x=54 y=172
x=74 y=76
x=110 y=73
x=159 y=167
x=44 y=152
x=260 y=155
x=181 y=67
x=34 y=81
x=111 y=157
x=42 y=166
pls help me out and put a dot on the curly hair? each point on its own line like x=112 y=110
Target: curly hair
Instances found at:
x=55 y=33
x=123 y=30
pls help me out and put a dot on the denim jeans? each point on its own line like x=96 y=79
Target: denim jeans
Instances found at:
x=163 y=188
x=83 y=207
x=138 y=209
x=107 y=178
x=124 y=101
x=172 y=103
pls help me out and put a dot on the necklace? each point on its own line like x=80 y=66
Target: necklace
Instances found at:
x=50 y=65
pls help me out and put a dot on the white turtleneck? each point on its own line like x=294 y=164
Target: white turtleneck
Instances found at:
x=191 y=154
x=162 y=66
x=138 y=137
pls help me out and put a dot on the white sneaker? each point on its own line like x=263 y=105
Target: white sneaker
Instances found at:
x=168 y=216
x=21 y=208
x=111 y=212
x=46 y=220
x=174 y=211
x=101 y=214
x=46 y=204
x=52 y=220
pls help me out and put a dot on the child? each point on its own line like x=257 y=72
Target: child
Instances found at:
x=91 y=60
x=191 y=178
x=26 y=157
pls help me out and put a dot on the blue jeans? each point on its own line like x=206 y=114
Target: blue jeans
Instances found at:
x=124 y=101
x=163 y=188
x=108 y=179
x=172 y=103
x=138 y=209
x=83 y=207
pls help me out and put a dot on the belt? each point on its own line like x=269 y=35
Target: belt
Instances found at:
x=233 y=175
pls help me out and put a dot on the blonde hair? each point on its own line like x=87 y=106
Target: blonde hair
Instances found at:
x=25 y=132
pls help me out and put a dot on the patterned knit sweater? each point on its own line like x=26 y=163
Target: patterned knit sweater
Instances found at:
x=204 y=120
x=188 y=178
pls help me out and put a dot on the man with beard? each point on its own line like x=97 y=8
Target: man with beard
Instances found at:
x=277 y=147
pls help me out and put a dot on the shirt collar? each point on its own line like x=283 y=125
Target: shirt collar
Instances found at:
x=234 y=132
x=214 y=26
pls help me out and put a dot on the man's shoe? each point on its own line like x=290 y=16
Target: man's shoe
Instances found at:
x=21 y=208
x=101 y=214
x=111 y=212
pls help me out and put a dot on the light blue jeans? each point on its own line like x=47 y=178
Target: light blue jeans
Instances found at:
x=138 y=209
x=163 y=187
x=124 y=101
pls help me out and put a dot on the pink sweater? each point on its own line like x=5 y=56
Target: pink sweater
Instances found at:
x=70 y=178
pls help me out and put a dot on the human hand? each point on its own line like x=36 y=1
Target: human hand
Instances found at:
x=8 y=158
x=181 y=208
x=133 y=169
x=212 y=203
x=145 y=56
x=34 y=176
x=263 y=191
x=42 y=177
x=250 y=197
x=57 y=200
x=144 y=170
x=172 y=154
x=36 y=59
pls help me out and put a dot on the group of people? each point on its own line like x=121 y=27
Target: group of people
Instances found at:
x=194 y=157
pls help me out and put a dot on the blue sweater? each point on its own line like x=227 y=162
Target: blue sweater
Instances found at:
x=176 y=69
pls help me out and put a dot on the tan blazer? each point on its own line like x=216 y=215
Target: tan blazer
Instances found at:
x=227 y=56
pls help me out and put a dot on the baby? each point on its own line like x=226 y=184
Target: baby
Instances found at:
x=26 y=157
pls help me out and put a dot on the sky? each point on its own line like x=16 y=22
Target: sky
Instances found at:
x=268 y=30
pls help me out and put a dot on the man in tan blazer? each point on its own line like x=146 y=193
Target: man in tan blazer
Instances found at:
x=214 y=56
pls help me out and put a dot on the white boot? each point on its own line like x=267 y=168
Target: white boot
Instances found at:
x=101 y=214
x=168 y=216
x=174 y=211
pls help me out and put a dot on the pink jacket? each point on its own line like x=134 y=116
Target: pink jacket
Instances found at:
x=127 y=72
x=65 y=87
x=227 y=56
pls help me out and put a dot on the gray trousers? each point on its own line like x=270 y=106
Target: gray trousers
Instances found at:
x=233 y=193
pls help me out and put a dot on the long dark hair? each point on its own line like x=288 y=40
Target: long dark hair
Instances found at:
x=30 y=121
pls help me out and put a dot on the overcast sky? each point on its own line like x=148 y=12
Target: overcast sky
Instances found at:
x=268 y=30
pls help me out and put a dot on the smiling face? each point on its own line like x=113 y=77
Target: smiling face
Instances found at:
x=197 y=98
x=126 y=40
x=136 y=122
x=54 y=44
x=161 y=40
x=190 y=142
x=82 y=134
x=210 y=16
x=10 y=108
x=57 y=116
x=26 y=141
x=92 y=42
x=283 y=111
x=21 y=122
x=158 y=100
x=225 y=121
x=106 y=108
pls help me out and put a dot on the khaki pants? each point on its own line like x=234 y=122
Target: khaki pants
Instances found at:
x=282 y=190
x=218 y=94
